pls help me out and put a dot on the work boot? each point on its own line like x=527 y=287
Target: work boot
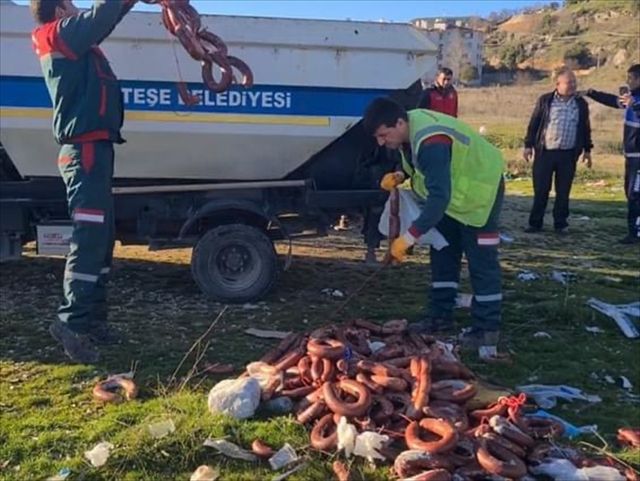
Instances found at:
x=561 y=231
x=629 y=239
x=370 y=257
x=474 y=338
x=77 y=347
x=104 y=335
x=432 y=325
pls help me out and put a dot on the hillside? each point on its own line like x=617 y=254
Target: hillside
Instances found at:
x=599 y=38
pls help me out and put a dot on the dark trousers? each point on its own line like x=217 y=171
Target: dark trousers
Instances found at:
x=480 y=245
x=546 y=163
x=87 y=171
x=632 y=191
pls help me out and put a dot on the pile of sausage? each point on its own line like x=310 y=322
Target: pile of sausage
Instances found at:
x=184 y=22
x=411 y=388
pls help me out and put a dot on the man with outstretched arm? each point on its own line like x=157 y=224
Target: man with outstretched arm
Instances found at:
x=629 y=99
x=87 y=117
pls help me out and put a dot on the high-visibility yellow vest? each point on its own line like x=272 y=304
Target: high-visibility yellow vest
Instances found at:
x=476 y=165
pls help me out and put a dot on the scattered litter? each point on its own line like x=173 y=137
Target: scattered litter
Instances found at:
x=250 y=307
x=231 y=450
x=546 y=396
x=239 y=398
x=61 y=476
x=584 y=218
x=286 y=474
x=617 y=280
x=506 y=238
x=205 y=473
x=162 y=428
x=278 y=405
x=626 y=384
x=563 y=277
x=570 y=430
x=620 y=314
x=368 y=443
x=541 y=334
x=343 y=223
x=285 y=456
x=266 y=334
x=609 y=379
x=99 y=454
x=463 y=301
x=527 y=276
x=332 y=292
x=594 y=329
x=598 y=183
x=565 y=470
x=347 y=434
x=491 y=355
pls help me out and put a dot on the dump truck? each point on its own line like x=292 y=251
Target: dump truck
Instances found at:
x=235 y=172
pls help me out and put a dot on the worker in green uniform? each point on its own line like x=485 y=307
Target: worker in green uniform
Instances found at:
x=457 y=175
x=87 y=118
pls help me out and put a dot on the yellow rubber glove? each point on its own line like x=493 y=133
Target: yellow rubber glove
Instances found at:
x=400 y=245
x=391 y=180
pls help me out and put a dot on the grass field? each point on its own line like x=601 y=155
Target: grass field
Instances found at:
x=48 y=418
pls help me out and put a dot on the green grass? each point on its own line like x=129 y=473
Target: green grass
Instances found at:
x=48 y=418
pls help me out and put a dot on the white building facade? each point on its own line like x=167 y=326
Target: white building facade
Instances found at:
x=458 y=45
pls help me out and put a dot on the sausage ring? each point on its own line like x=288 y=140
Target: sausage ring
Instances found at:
x=381 y=409
x=510 y=431
x=500 y=461
x=311 y=412
x=107 y=391
x=324 y=435
x=539 y=427
x=441 y=427
x=326 y=348
x=261 y=449
x=629 y=436
x=453 y=390
x=345 y=408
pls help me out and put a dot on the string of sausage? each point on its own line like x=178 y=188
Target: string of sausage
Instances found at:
x=184 y=23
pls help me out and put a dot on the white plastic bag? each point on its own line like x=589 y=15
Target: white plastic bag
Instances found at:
x=565 y=470
x=346 y=436
x=99 y=454
x=408 y=211
x=368 y=443
x=238 y=398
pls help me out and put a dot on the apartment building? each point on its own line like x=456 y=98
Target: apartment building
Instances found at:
x=458 y=44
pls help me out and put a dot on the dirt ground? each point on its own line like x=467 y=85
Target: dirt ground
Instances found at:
x=49 y=418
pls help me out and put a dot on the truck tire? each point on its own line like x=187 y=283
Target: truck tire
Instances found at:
x=234 y=263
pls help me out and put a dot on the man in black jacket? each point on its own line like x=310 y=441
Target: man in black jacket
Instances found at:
x=559 y=131
x=630 y=101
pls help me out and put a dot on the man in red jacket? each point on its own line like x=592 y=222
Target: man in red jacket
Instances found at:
x=441 y=96
x=87 y=118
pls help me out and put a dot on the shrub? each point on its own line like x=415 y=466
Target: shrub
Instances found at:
x=512 y=54
x=578 y=54
x=468 y=73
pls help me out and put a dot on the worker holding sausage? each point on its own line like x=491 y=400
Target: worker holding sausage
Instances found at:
x=87 y=118
x=458 y=175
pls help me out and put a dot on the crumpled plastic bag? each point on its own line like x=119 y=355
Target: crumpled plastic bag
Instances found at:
x=347 y=434
x=565 y=470
x=99 y=454
x=238 y=398
x=230 y=449
x=546 y=396
x=205 y=473
x=368 y=443
x=408 y=211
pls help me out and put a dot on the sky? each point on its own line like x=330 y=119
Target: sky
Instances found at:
x=394 y=11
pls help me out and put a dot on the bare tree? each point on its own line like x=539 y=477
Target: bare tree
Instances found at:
x=455 y=54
